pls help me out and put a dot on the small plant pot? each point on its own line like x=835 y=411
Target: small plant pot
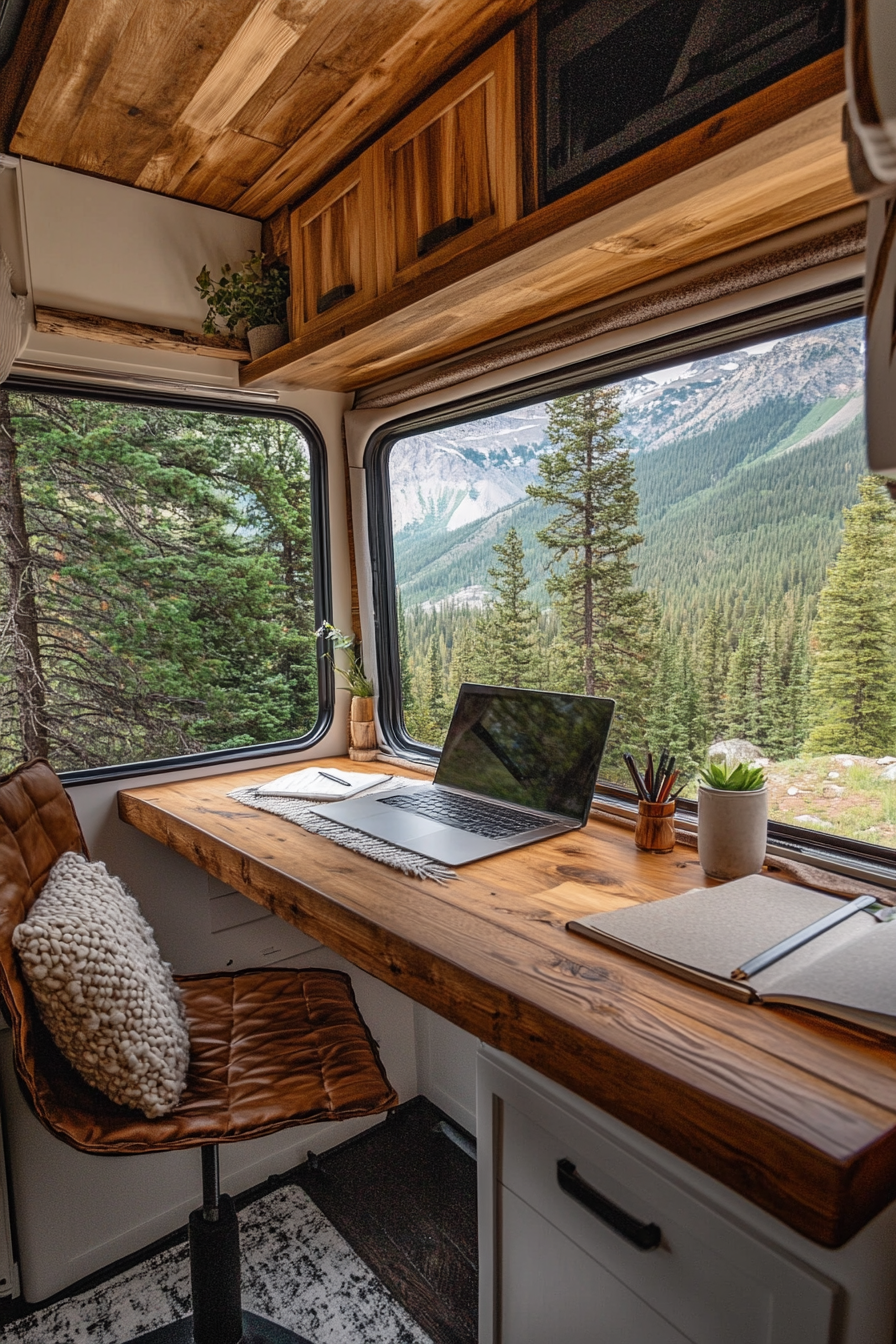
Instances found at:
x=655 y=827
x=362 y=729
x=262 y=340
x=731 y=831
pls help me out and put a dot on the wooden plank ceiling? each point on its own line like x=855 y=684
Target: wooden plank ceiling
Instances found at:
x=241 y=104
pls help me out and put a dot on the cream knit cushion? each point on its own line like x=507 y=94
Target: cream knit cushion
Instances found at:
x=107 y=998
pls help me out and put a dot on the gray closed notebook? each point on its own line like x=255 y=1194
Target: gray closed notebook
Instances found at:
x=849 y=971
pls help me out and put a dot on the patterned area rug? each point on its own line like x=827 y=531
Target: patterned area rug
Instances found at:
x=297 y=1270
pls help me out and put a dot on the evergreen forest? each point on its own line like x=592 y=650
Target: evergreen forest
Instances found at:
x=156 y=583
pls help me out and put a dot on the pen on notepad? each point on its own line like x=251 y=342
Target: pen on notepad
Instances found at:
x=335 y=778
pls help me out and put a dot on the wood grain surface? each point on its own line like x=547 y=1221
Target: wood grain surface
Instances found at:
x=61 y=322
x=793 y=1111
x=239 y=104
x=647 y=219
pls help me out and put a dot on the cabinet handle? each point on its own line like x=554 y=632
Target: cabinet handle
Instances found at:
x=646 y=1236
x=428 y=242
x=334 y=296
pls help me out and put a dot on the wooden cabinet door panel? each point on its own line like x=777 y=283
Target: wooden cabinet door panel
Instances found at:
x=333 y=249
x=446 y=175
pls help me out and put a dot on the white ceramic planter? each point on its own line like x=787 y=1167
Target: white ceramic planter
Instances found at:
x=731 y=831
x=262 y=340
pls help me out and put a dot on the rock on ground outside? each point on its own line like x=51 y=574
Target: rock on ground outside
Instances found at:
x=733 y=751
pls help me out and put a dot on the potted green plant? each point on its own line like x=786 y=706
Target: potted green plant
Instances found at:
x=732 y=817
x=361 y=723
x=250 y=301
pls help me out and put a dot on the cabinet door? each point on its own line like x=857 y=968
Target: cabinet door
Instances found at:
x=333 y=249
x=447 y=174
x=552 y=1290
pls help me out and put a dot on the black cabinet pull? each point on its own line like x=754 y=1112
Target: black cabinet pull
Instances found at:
x=428 y=242
x=334 y=296
x=646 y=1236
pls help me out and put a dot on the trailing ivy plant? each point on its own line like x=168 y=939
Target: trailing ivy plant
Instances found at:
x=254 y=296
x=742 y=778
x=358 y=681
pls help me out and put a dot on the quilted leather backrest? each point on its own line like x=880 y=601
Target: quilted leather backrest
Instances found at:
x=37 y=824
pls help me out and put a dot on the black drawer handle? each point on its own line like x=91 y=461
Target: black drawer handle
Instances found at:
x=334 y=296
x=646 y=1236
x=428 y=242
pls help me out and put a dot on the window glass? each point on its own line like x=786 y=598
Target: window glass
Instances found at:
x=704 y=544
x=156 y=581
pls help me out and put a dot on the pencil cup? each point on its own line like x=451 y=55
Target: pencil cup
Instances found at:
x=655 y=827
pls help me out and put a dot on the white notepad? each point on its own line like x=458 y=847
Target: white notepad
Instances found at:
x=321 y=785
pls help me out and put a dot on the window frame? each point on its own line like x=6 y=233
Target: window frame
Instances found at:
x=816 y=308
x=320 y=549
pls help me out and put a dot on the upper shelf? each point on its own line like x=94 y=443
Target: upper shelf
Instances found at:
x=772 y=162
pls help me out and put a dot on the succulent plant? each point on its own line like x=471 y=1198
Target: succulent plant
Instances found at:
x=741 y=778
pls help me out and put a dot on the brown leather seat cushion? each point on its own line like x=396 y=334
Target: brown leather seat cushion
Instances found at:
x=269 y=1048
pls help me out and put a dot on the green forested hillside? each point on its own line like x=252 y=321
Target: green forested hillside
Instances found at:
x=771 y=525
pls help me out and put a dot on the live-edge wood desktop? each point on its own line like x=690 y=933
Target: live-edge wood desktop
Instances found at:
x=794 y=1112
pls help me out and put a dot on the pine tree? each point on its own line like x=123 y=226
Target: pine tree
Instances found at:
x=508 y=631
x=605 y=622
x=712 y=661
x=853 y=684
x=404 y=659
x=744 y=688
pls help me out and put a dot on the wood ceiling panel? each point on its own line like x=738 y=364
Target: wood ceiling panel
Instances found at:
x=338 y=47
x=202 y=98
x=81 y=53
x=155 y=59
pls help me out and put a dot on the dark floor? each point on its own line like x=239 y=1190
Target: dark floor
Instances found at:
x=403 y=1195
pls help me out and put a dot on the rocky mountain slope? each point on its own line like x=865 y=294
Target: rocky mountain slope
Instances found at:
x=455 y=491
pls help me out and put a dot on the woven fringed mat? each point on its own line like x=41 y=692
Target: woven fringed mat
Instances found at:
x=299 y=812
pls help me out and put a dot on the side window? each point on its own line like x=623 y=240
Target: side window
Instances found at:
x=704 y=544
x=157 y=585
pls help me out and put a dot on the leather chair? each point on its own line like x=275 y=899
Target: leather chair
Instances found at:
x=269 y=1049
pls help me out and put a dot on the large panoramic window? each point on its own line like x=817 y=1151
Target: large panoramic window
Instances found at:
x=704 y=544
x=156 y=581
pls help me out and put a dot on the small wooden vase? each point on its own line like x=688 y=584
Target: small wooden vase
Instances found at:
x=362 y=729
x=655 y=827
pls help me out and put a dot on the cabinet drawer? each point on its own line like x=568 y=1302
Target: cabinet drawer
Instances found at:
x=447 y=174
x=707 y=1276
x=333 y=249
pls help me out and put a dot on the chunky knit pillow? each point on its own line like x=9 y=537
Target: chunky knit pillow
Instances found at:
x=103 y=991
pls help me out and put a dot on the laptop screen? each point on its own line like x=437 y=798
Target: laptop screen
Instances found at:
x=538 y=749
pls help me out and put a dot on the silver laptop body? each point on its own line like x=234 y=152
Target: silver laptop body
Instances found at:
x=517 y=766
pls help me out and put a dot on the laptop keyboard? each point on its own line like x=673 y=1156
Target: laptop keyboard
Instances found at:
x=465 y=815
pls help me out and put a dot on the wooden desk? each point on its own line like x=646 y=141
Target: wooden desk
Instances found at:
x=795 y=1113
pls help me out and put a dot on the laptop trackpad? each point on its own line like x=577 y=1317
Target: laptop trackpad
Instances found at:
x=389 y=823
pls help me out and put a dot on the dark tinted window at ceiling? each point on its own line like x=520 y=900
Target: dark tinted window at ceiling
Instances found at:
x=618 y=77
x=12 y=12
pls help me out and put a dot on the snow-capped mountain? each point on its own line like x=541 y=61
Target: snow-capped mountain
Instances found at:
x=465 y=473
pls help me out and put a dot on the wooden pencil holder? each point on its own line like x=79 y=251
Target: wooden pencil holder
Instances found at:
x=655 y=827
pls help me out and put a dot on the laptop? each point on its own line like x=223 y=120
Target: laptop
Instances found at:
x=517 y=766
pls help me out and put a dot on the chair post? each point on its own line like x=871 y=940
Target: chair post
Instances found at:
x=215 y=1261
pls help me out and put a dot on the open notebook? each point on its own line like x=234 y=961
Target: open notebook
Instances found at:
x=849 y=971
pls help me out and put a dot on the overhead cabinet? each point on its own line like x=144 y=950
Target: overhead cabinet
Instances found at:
x=446 y=175
x=441 y=182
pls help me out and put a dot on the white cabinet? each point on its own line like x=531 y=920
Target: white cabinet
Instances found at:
x=592 y=1234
